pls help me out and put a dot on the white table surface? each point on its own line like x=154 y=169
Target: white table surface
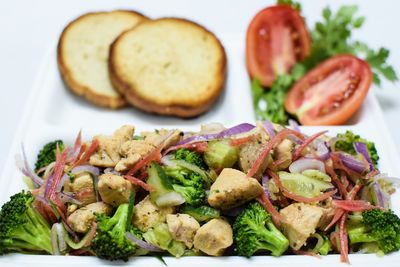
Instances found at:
x=28 y=27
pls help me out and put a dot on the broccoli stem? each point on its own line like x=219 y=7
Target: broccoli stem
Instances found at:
x=326 y=246
x=118 y=222
x=359 y=235
x=278 y=243
x=36 y=234
x=271 y=239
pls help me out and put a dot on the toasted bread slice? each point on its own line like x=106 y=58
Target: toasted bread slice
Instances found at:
x=83 y=54
x=168 y=66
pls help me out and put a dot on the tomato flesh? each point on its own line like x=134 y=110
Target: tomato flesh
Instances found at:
x=276 y=39
x=330 y=93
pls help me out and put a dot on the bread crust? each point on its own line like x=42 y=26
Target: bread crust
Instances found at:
x=76 y=87
x=179 y=110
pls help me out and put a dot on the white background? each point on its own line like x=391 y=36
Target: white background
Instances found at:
x=28 y=28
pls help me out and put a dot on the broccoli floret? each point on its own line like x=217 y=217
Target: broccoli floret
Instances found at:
x=22 y=228
x=254 y=231
x=187 y=183
x=377 y=228
x=110 y=242
x=47 y=154
x=191 y=157
x=346 y=141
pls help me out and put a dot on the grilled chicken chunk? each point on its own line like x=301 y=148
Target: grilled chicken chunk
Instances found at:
x=233 y=188
x=301 y=221
x=147 y=214
x=182 y=227
x=214 y=237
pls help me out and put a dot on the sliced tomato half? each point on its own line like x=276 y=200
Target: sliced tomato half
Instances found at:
x=331 y=92
x=277 y=38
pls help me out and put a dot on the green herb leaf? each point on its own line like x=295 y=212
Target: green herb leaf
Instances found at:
x=377 y=61
x=294 y=4
x=160 y=258
x=269 y=104
x=332 y=36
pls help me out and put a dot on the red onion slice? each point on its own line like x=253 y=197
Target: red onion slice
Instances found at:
x=23 y=166
x=381 y=198
x=269 y=128
x=57 y=239
x=352 y=163
x=50 y=181
x=143 y=244
x=323 y=152
x=93 y=171
x=238 y=129
x=303 y=164
x=362 y=149
x=264 y=183
x=294 y=125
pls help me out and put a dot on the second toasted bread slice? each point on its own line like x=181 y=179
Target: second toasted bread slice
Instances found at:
x=168 y=66
x=83 y=54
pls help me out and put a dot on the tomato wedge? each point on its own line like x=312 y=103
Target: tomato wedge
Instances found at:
x=277 y=38
x=331 y=92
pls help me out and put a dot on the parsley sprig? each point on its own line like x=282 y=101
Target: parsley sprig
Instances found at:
x=269 y=105
x=332 y=36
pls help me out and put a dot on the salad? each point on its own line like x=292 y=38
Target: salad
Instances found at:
x=318 y=75
x=248 y=190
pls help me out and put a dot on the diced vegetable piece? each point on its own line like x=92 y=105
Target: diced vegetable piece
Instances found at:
x=161 y=237
x=202 y=213
x=303 y=185
x=326 y=246
x=220 y=154
x=163 y=194
x=318 y=175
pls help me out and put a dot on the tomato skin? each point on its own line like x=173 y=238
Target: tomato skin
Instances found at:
x=276 y=39
x=336 y=73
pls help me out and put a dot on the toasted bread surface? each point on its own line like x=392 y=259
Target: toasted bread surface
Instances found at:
x=168 y=66
x=83 y=51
